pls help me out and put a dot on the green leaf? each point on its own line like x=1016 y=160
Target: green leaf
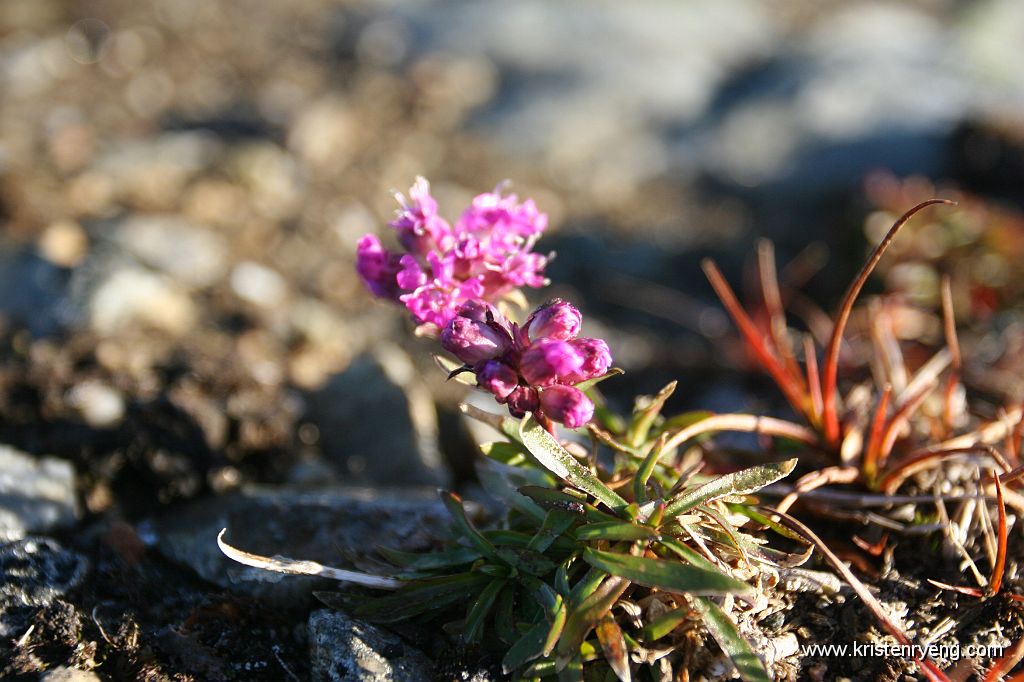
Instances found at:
x=527 y=648
x=613 y=644
x=737 y=483
x=503 y=482
x=526 y=560
x=664 y=624
x=586 y=586
x=474 y=626
x=615 y=530
x=427 y=561
x=504 y=618
x=647 y=410
x=502 y=423
x=590 y=383
x=585 y=617
x=421 y=596
x=671 y=576
x=453 y=503
x=555 y=523
x=555 y=631
x=728 y=637
x=681 y=421
x=512 y=454
x=644 y=472
x=558 y=461
x=450 y=368
x=549 y=498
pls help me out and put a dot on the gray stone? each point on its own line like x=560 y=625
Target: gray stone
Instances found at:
x=190 y=254
x=345 y=650
x=69 y=675
x=378 y=423
x=130 y=295
x=36 y=495
x=34 y=571
x=336 y=526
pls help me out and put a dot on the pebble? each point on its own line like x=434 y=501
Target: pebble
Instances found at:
x=258 y=284
x=131 y=295
x=191 y=255
x=99 y=404
x=34 y=572
x=342 y=649
x=37 y=495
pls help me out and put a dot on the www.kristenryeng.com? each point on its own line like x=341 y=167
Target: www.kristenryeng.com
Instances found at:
x=949 y=652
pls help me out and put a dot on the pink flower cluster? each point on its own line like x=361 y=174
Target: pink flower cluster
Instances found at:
x=532 y=368
x=485 y=255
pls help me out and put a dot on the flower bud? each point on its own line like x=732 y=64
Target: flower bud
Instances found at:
x=472 y=341
x=377 y=267
x=545 y=361
x=567 y=405
x=521 y=400
x=498 y=378
x=556 y=320
x=597 y=358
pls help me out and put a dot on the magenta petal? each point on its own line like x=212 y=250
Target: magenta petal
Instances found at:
x=567 y=405
x=548 y=359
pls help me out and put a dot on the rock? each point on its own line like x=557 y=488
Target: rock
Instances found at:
x=258 y=284
x=69 y=675
x=34 y=572
x=378 y=423
x=101 y=405
x=191 y=255
x=345 y=650
x=64 y=243
x=33 y=292
x=36 y=495
x=130 y=295
x=337 y=526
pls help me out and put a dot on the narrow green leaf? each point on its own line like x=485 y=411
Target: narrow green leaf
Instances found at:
x=681 y=421
x=646 y=412
x=453 y=503
x=503 y=482
x=504 y=616
x=555 y=631
x=587 y=584
x=663 y=574
x=526 y=560
x=590 y=383
x=664 y=624
x=737 y=483
x=452 y=369
x=585 y=617
x=502 y=423
x=512 y=454
x=558 y=461
x=728 y=637
x=474 y=626
x=555 y=523
x=573 y=670
x=615 y=530
x=527 y=648
x=426 y=561
x=613 y=644
x=421 y=596
x=549 y=498
x=689 y=555
x=643 y=474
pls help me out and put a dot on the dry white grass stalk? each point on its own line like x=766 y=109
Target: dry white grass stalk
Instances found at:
x=280 y=564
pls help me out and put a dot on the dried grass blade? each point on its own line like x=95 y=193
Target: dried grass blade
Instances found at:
x=280 y=564
x=930 y=669
x=745 y=423
x=1001 y=533
x=769 y=279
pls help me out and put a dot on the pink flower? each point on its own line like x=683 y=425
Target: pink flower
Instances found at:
x=473 y=342
x=567 y=405
x=555 y=319
x=377 y=267
x=530 y=369
x=548 y=360
x=487 y=255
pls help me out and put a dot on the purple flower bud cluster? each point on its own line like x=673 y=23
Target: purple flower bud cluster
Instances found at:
x=533 y=367
x=486 y=255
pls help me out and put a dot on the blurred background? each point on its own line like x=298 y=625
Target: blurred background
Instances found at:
x=182 y=185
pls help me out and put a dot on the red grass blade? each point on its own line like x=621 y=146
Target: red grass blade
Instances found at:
x=831 y=369
x=769 y=278
x=789 y=386
x=997 y=571
x=813 y=381
x=869 y=463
